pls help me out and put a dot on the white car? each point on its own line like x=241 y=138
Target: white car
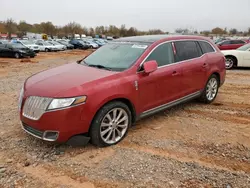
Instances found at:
x=237 y=58
x=58 y=46
x=45 y=46
x=30 y=45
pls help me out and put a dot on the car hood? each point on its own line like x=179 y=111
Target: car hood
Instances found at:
x=53 y=82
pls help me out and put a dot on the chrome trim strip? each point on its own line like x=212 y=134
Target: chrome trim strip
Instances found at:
x=171 y=41
x=170 y=104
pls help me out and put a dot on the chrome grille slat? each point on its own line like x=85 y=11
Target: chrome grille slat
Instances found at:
x=35 y=107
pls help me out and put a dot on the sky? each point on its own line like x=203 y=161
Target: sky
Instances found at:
x=166 y=15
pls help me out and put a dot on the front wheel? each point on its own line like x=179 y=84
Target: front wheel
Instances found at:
x=46 y=50
x=110 y=124
x=210 y=91
x=17 y=55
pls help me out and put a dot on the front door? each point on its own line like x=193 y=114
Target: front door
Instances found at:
x=246 y=58
x=163 y=85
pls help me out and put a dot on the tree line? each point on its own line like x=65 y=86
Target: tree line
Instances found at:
x=9 y=26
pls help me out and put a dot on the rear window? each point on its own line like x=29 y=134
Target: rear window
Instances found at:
x=206 y=47
x=186 y=50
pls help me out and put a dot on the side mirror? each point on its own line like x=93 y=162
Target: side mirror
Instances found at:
x=150 y=66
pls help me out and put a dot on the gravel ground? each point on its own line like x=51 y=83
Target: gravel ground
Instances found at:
x=191 y=145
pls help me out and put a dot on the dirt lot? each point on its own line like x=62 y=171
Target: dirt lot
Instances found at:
x=192 y=145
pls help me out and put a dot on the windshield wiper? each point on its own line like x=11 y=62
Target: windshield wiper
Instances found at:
x=100 y=67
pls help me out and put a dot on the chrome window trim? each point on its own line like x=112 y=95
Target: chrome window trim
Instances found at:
x=172 y=41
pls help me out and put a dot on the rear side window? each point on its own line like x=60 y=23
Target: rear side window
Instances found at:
x=186 y=50
x=206 y=47
x=237 y=42
x=163 y=54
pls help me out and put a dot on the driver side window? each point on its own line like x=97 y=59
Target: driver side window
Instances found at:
x=163 y=55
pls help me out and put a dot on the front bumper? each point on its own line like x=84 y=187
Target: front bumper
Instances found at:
x=58 y=126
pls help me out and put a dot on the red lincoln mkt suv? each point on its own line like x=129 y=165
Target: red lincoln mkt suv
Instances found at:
x=99 y=97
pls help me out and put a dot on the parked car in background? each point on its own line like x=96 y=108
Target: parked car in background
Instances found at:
x=102 y=95
x=79 y=44
x=30 y=45
x=91 y=44
x=230 y=44
x=65 y=43
x=45 y=46
x=58 y=46
x=237 y=58
x=4 y=41
x=16 y=50
x=219 y=40
x=99 y=42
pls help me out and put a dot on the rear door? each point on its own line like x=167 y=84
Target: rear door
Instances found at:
x=194 y=66
x=163 y=85
x=9 y=51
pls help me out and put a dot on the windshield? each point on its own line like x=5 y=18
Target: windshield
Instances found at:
x=47 y=43
x=244 y=48
x=116 y=56
x=26 y=42
x=18 y=45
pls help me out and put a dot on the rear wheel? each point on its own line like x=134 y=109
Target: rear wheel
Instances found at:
x=110 y=124
x=46 y=50
x=17 y=55
x=210 y=91
x=230 y=62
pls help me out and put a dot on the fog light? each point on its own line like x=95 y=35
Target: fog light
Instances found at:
x=50 y=135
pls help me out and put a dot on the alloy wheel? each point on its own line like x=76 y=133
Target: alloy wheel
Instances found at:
x=17 y=55
x=229 y=63
x=212 y=88
x=114 y=125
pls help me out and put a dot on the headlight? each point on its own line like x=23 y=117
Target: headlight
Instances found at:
x=66 y=102
x=22 y=51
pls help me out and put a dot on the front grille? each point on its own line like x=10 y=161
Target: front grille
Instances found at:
x=32 y=131
x=34 y=107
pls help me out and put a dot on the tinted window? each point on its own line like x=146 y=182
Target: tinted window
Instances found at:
x=225 y=42
x=187 y=50
x=163 y=54
x=237 y=42
x=206 y=47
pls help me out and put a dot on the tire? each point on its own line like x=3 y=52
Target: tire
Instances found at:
x=46 y=50
x=230 y=62
x=106 y=130
x=211 y=90
x=17 y=55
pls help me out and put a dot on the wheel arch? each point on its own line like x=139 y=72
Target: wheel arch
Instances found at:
x=121 y=99
x=218 y=76
x=234 y=57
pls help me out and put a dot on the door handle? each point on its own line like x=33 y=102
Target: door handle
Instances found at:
x=175 y=73
x=204 y=65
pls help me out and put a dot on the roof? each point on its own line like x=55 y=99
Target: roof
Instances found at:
x=154 y=38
